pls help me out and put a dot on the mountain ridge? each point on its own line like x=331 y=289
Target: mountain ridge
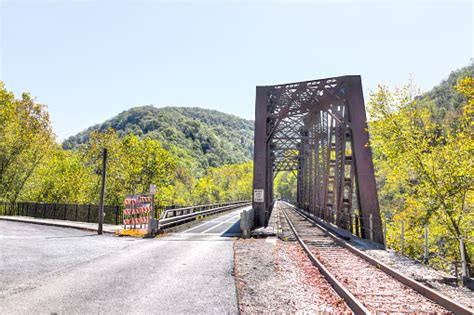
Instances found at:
x=209 y=136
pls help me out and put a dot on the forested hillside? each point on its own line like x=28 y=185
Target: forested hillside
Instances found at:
x=202 y=138
x=423 y=153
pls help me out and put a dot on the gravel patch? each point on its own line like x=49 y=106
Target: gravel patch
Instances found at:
x=273 y=276
x=430 y=277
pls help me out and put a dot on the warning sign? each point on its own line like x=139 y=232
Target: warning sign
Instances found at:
x=258 y=195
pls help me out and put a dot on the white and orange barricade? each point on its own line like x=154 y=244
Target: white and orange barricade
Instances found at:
x=136 y=213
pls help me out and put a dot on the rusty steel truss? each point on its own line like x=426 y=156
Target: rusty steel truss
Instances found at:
x=317 y=130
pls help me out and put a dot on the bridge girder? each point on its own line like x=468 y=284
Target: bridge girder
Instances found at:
x=317 y=129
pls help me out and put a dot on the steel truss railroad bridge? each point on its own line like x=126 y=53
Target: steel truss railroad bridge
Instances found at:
x=317 y=130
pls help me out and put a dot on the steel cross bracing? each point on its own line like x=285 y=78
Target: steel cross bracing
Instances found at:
x=317 y=130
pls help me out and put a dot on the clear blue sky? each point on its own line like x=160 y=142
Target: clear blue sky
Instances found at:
x=89 y=60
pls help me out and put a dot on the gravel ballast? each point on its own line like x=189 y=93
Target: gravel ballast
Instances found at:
x=273 y=276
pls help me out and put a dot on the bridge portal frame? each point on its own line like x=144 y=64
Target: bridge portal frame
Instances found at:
x=285 y=131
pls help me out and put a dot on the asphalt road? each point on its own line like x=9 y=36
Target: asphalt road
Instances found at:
x=49 y=270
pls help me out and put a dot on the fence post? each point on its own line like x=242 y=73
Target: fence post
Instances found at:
x=425 y=252
x=403 y=237
x=36 y=209
x=100 y=217
x=88 y=213
x=76 y=213
x=65 y=211
x=54 y=211
x=385 y=230
x=116 y=214
x=356 y=224
x=371 y=226
x=465 y=274
x=456 y=272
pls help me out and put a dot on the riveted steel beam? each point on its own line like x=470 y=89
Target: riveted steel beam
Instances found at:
x=317 y=129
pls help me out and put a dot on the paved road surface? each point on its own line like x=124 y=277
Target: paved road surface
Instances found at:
x=56 y=270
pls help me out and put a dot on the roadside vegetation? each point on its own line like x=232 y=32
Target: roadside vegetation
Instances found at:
x=423 y=154
x=206 y=158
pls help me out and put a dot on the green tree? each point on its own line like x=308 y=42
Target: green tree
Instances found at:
x=62 y=178
x=133 y=164
x=285 y=186
x=226 y=183
x=424 y=168
x=25 y=139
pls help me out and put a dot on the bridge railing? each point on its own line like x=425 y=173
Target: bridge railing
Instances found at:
x=175 y=217
x=89 y=212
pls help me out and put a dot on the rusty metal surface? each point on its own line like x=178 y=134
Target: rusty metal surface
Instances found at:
x=318 y=130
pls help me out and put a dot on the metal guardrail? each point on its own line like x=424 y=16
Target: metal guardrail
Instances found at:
x=89 y=212
x=174 y=217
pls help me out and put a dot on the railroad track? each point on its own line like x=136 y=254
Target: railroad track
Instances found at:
x=367 y=286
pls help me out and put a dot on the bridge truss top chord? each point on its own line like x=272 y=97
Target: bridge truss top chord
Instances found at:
x=317 y=130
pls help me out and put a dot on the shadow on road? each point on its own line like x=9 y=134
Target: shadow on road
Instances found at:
x=234 y=230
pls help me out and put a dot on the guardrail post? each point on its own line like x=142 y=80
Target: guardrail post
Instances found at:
x=385 y=230
x=464 y=271
x=403 y=237
x=356 y=224
x=371 y=226
x=425 y=252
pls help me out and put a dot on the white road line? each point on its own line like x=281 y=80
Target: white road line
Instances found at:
x=205 y=222
x=198 y=226
x=231 y=220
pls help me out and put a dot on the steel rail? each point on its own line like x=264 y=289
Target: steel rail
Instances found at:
x=355 y=305
x=434 y=296
x=181 y=219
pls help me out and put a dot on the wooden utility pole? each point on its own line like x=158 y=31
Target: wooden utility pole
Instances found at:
x=102 y=192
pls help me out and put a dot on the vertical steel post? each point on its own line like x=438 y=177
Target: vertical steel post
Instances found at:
x=463 y=260
x=102 y=193
x=385 y=230
x=261 y=158
x=364 y=167
x=425 y=252
x=371 y=222
x=152 y=215
x=403 y=237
